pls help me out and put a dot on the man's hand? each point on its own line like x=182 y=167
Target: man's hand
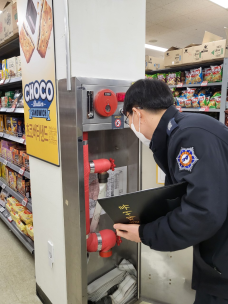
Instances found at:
x=131 y=232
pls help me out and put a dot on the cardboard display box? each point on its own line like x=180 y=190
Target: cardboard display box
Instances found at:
x=2 y=37
x=173 y=56
x=10 y=20
x=189 y=53
x=154 y=63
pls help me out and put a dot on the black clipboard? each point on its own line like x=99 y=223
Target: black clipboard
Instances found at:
x=143 y=207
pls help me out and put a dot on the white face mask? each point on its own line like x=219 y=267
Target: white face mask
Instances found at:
x=140 y=136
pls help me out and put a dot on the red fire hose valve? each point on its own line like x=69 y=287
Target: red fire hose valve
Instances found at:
x=118 y=240
x=112 y=161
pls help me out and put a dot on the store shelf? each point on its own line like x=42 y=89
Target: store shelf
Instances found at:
x=10 y=110
x=19 y=140
x=196 y=85
x=11 y=83
x=10 y=47
x=14 y=167
x=199 y=110
x=15 y=194
x=26 y=241
x=185 y=67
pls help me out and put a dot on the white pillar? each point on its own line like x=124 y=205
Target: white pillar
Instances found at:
x=107 y=40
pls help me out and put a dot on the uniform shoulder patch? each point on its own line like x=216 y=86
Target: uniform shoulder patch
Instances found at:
x=186 y=159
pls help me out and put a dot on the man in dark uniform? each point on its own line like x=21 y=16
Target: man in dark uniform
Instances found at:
x=192 y=148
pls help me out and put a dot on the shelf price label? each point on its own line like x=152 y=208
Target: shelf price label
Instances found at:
x=3 y=186
x=24 y=202
x=10 y=219
x=205 y=109
x=11 y=110
x=180 y=85
x=5 y=162
x=22 y=171
x=204 y=84
x=2 y=209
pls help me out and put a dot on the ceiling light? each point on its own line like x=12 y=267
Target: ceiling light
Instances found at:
x=222 y=3
x=0 y=12
x=156 y=48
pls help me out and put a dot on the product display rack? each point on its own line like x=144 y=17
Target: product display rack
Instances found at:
x=9 y=49
x=223 y=84
x=26 y=241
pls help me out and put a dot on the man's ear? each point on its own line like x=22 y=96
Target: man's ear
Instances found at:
x=136 y=112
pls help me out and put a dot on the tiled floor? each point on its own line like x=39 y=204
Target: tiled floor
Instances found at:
x=17 y=271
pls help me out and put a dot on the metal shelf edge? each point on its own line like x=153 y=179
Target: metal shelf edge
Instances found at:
x=17 y=234
x=14 y=167
x=198 y=110
x=19 y=140
x=196 y=85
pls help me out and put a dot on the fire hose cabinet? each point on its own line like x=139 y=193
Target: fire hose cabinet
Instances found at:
x=91 y=145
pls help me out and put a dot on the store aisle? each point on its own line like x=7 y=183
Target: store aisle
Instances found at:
x=17 y=271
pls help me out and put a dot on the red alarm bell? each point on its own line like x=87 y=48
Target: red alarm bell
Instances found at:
x=105 y=103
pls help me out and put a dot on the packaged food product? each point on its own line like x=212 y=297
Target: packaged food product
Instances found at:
x=26 y=217
x=5 y=69
x=9 y=208
x=20 y=103
x=202 y=101
x=14 y=216
x=30 y=231
x=7 y=175
x=216 y=73
x=196 y=76
x=211 y=103
x=181 y=102
x=190 y=92
x=21 y=226
x=4 y=101
x=23 y=185
x=10 y=96
x=171 y=79
x=9 y=155
x=14 y=124
x=25 y=160
x=195 y=102
x=178 y=77
x=12 y=201
x=3 y=171
x=188 y=77
x=13 y=180
x=208 y=76
x=17 y=157
x=18 y=207
x=9 y=125
x=161 y=77
x=3 y=197
x=12 y=66
x=188 y=103
x=217 y=102
x=20 y=127
x=19 y=70
x=1 y=123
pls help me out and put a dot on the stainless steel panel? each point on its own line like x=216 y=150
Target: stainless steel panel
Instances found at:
x=67 y=43
x=73 y=192
x=123 y=146
x=224 y=91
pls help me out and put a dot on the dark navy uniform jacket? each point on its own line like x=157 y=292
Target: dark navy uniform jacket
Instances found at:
x=194 y=148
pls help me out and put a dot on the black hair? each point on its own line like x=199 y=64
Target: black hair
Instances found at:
x=149 y=94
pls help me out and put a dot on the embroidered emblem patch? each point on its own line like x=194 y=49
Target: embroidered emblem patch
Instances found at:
x=186 y=159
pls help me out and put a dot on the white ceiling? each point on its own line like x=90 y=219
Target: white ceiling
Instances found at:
x=181 y=22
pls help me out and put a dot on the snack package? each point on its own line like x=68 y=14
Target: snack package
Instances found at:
x=21 y=226
x=13 y=180
x=3 y=171
x=18 y=208
x=4 y=195
x=171 y=79
x=188 y=103
x=218 y=102
x=202 y=101
x=5 y=69
x=216 y=73
x=23 y=185
x=9 y=155
x=14 y=124
x=178 y=77
x=161 y=77
x=190 y=93
x=26 y=217
x=20 y=127
x=1 y=123
x=30 y=231
x=181 y=102
x=188 y=77
x=208 y=76
x=4 y=101
x=7 y=174
x=14 y=216
x=196 y=76
x=195 y=102
x=212 y=102
x=25 y=160
x=17 y=157
x=9 y=125
x=12 y=201
x=9 y=208
x=10 y=96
